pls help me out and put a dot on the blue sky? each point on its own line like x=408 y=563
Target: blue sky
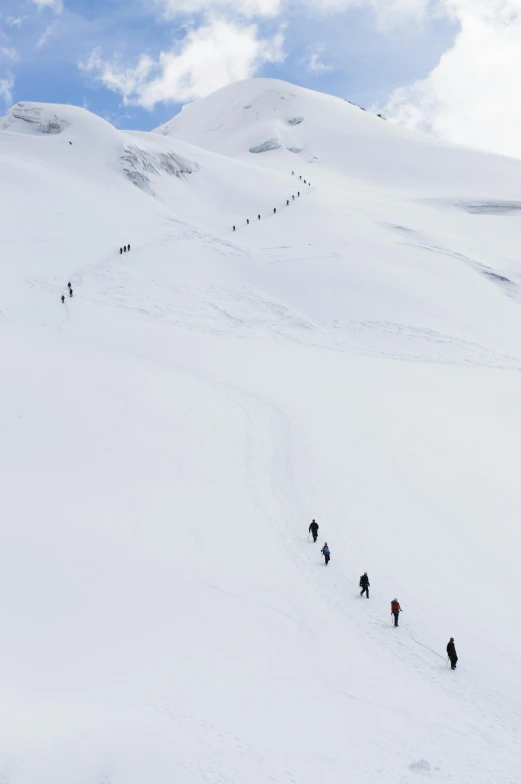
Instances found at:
x=45 y=46
x=448 y=67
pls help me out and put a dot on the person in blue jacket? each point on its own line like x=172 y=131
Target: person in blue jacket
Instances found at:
x=326 y=553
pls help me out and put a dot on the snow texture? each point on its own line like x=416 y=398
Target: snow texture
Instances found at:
x=170 y=431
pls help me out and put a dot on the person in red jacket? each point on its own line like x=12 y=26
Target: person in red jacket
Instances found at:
x=395 y=610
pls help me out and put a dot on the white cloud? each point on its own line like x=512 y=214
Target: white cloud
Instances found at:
x=54 y=5
x=472 y=96
x=9 y=53
x=15 y=21
x=387 y=12
x=6 y=87
x=315 y=64
x=247 y=8
x=208 y=58
x=47 y=33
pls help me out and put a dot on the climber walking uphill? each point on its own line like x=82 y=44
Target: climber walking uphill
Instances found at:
x=364 y=585
x=395 y=610
x=313 y=528
x=326 y=553
x=451 y=653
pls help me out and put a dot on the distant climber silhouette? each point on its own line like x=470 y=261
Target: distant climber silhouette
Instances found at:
x=364 y=585
x=451 y=653
x=395 y=610
x=313 y=529
x=326 y=553
x=63 y=298
x=274 y=210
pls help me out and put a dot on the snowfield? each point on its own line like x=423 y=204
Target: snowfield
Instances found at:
x=169 y=432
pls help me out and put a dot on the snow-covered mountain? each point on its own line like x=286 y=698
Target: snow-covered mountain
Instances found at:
x=170 y=431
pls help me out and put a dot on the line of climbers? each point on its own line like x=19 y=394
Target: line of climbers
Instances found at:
x=69 y=286
x=274 y=209
x=365 y=585
x=124 y=249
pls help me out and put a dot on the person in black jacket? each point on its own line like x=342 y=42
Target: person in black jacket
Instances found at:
x=314 y=529
x=364 y=585
x=451 y=653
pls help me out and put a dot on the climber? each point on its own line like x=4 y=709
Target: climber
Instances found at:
x=63 y=298
x=313 y=528
x=326 y=553
x=395 y=610
x=451 y=653
x=274 y=210
x=258 y=217
x=364 y=585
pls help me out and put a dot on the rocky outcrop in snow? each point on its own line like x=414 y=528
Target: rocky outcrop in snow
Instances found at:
x=36 y=116
x=270 y=144
x=138 y=164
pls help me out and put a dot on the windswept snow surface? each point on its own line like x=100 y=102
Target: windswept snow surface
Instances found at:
x=169 y=433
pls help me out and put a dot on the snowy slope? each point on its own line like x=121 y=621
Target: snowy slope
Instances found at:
x=169 y=433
